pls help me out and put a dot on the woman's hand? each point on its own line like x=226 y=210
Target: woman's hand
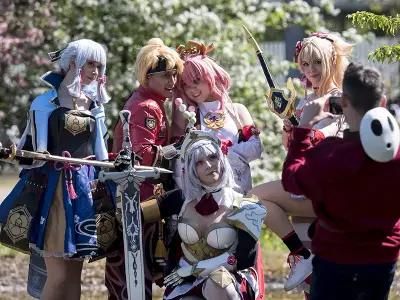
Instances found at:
x=177 y=277
x=287 y=125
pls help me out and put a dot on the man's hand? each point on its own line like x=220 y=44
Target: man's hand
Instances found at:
x=313 y=112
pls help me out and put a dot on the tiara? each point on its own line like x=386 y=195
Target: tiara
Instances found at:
x=194 y=135
x=194 y=48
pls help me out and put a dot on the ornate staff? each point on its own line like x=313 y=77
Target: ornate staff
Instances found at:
x=278 y=102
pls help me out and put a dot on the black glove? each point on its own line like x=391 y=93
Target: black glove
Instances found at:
x=126 y=159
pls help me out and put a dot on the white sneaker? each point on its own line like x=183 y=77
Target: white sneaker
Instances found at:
x=303 y=287
x=300 y=269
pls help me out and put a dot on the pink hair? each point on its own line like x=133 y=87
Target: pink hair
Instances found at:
x=201 y=67
x=204 y=68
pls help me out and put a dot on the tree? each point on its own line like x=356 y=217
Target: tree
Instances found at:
x=388 y=24
x=125 y=25
x=22 y=37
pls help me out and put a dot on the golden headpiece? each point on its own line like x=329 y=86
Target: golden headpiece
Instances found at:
x=194 y=48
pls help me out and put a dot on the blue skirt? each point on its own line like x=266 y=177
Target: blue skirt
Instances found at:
x=61 y=214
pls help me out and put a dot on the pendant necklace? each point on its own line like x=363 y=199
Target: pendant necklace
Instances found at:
x=214 y=119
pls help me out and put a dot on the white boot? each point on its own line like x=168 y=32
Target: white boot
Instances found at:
x=300 y=269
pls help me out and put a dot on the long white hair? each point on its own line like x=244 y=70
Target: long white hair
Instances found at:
x=191 y=185
x=82 y=51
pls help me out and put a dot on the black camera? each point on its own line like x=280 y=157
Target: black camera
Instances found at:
x=335 y=107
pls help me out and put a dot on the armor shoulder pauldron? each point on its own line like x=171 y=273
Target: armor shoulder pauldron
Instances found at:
x=248 y=215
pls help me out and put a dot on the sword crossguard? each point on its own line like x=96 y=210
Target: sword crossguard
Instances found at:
x=281 y=104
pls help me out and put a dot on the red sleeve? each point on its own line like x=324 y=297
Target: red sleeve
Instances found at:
x=144 y=127
x=317 y=137
x=298 y=175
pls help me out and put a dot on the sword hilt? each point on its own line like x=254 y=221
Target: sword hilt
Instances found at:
x=125 y=116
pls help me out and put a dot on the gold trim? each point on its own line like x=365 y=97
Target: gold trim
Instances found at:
x=151 y=210
x=240 y=225
x=75 y=124
x=289 y=110
x=222 y=277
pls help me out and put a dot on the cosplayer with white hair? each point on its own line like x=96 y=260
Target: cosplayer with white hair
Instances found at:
x=219 y=229
x=192 y=186
x=68 y=216
x=80 y=52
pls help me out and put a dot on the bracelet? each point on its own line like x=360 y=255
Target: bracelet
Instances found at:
x=285 y=130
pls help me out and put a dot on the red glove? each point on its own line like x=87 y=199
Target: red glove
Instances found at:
x=112 y=156
x=225 y=144
x=316 y=137
x=249 y=131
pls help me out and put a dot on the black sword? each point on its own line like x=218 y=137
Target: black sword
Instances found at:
x=278 y=102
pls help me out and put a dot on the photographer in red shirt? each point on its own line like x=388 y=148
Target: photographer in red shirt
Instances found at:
x=357 y=234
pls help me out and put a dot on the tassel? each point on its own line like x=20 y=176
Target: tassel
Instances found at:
x=161 y=252
x=71 y=191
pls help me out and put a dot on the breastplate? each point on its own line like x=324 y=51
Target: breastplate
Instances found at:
x=72 y=131
x=218 y=238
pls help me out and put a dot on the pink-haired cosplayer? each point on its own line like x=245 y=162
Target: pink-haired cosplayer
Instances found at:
x=204 y=85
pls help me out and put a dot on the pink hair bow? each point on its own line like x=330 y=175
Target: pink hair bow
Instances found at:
x=102 y=80
x=297 y=49
x=322 y=35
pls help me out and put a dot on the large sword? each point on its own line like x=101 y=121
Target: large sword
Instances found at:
x=278 y=102
x=129 y=185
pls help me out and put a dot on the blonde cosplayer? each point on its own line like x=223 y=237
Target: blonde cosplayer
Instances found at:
x=156 y=57
x=80 y=52
x=333 y=53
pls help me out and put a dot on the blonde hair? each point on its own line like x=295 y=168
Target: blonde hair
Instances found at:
x=333 y=56
x=148 y=59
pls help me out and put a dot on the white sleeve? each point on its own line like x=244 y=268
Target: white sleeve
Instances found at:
x=250 y=150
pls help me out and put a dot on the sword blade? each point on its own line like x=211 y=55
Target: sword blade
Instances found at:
x=134 y=257
x=261 y=58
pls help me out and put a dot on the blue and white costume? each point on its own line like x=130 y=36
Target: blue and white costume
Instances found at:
x=59 y=209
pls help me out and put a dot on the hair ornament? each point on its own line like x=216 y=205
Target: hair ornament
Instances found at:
x=194 y=48
x=56 y=55
x=322 y=35
x=297 y=49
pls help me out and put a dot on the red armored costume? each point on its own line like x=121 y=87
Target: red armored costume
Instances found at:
x=148 y=130
x=156 y=68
